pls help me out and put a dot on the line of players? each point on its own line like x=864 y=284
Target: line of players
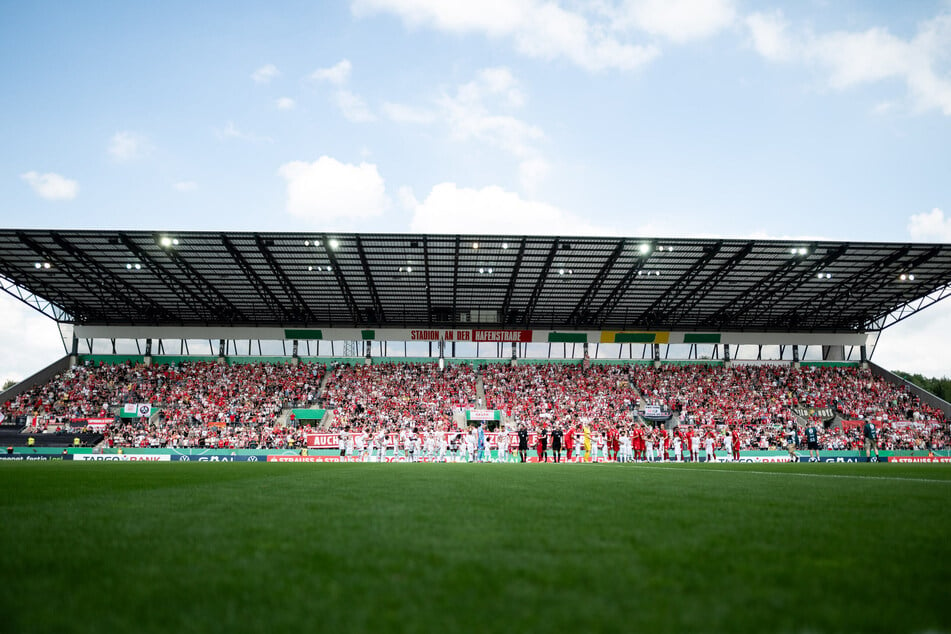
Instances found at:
x=632 y=443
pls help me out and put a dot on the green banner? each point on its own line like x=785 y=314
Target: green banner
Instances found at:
x=123 y=414
x=308 y=414
x=483 y=414
x=290 y=333
x=635 y=337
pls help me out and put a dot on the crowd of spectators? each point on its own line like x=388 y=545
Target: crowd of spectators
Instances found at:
x=600 y=396
x=398 y=394
x=205 y=404
x=200 y=403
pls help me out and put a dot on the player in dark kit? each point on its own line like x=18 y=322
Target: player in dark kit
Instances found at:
x=871 y=440
x=522 y=443
x=556 y=436
x=812 y=441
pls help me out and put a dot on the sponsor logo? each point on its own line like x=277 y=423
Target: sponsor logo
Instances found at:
x=919 y=459
x=123 y=457
x=28 y=458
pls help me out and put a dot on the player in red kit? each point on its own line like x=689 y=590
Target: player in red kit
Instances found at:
x=614 y=444
x=664 y=443
x=569 y=442
x=736 y=444
x=639 y=444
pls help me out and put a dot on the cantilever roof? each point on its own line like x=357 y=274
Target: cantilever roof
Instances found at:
x=416 y=280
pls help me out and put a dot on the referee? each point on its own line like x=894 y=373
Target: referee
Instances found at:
x=522 y=443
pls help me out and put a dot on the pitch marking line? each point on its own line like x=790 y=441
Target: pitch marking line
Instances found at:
x=811 y=475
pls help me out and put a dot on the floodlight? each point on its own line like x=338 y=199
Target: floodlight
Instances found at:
x=334 y=243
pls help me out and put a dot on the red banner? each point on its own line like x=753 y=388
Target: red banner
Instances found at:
x=503 y=336
x=97 y=424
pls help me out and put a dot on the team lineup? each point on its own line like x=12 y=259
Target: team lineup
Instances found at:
x=573 y=444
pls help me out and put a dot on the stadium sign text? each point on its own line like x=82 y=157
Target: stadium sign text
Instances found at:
x=479 y=336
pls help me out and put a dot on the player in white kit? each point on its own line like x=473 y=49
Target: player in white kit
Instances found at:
x=626 y=453
x=678 y=448
x=342 y=443
x=728 y=445
x=708 y=441
x=649 y=444
x=503 y=442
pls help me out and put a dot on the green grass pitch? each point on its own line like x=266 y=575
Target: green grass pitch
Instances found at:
x=238 y=547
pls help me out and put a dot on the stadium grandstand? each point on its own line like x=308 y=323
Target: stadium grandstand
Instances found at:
x=297 y=345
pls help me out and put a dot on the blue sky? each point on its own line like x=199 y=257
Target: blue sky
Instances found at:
x=617 y=117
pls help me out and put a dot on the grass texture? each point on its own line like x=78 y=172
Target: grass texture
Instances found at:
x=239 y=547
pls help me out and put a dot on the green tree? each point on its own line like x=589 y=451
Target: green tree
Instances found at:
x=939 y=387
x=8 y=384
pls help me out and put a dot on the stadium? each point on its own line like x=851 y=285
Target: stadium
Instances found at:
x=655 y=376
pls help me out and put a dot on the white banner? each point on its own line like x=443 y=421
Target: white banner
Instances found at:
x=130 y=408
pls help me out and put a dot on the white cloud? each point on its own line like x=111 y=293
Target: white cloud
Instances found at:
x=128 y=146
x=185 y=186
x=910 y=345
x=679 y=20
x=231 y=131
x=353 y=107
x=771 y=39
x=51 y=186
x=471 y=114
x=406 y=114
x=285 y=103
x=536 y=28
x=930 y=226
x=852 y=58
x=338 y=74
x=328 y=190
x=30 y=340
x=532 y=172
x=452 y=209
x=265 y=74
